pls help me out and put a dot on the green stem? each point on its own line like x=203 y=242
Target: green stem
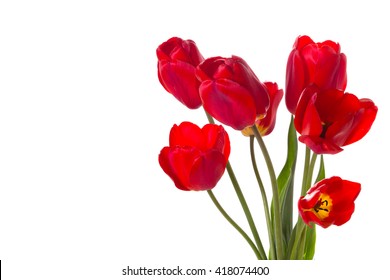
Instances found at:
x=305 y=171
x=275 y=193
x=297 y=240
x=302 y=243
x=234 y=224
x=243 y=203
x=264 y=198
x=247 y=212
x=306 y=184
x=210 y=118
x=310 y=172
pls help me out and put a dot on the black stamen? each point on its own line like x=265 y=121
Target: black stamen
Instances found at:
x=317 y=207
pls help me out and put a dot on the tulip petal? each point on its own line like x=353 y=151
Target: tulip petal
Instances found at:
x=363 y=121
x=177 y=163
x=166 y=166
x=310 y=55
x=179 y=79
x=327 y=68
x=295 y=80
x=228 y=102
x=311 y=123
x=216 y=138
x=320 y=145
x=207 y=170
x=186 y=134
x=267 y=124
x=302 y=41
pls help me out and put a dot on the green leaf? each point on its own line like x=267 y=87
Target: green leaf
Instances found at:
x=290 y=244
x=310 y=243
x=285 y=182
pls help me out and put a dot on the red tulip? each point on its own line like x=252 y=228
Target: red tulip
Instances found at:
x=266 y=124
x=196 y=158
x=177 y=60
x=328 y=120
x=231 y=92
x=309 y=63
x=329 y=202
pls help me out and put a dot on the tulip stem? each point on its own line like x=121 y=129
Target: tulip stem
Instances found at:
x=247 y=212
x=243 y=203
x=234 y=224
x=308 y=171
x=300 y=239
x=299 y=242
x=210 y=118
x=275 y=193
x=305 y=171
x=264 y=198
x=311 y=170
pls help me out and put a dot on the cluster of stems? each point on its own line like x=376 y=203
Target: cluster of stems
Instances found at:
x=281 y=246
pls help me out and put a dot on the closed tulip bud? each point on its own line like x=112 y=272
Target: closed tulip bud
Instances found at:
x=196 y=157
x=231 y=92
x=310 y=63
x=177 y=60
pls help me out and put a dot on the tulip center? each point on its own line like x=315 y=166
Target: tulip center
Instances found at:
x=323 y=206
x=324 y=129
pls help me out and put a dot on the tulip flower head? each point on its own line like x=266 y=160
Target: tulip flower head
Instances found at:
x=310 y=63
x=177 y=60
x=196 y=157
x=329 y=202
x=328 y=120
x=231 y=92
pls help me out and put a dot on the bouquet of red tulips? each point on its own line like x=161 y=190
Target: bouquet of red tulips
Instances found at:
x=324 y=118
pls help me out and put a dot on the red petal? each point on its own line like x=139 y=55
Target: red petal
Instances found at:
x=245 y=76
x=320 y=145
x=229 y=103
x=177 y=164
x=328 y=43
x=302 y=41
x=164 y=160
x=295 y=80
x=363 y=121
x=268 y=122
x=326 y=67
x=179 y=79
x=344 y=216
x=187 y=134
x=311 y=122
x=344 y=193
x=304 y=100
x=343 y=198
x=340 y=77
x=335 y=105
x=207 y=170
x=211 y=68
x=216 y=138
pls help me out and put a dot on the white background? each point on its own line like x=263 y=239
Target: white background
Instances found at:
x=83 y=119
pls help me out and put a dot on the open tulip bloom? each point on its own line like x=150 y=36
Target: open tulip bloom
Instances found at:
x=324 y=118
